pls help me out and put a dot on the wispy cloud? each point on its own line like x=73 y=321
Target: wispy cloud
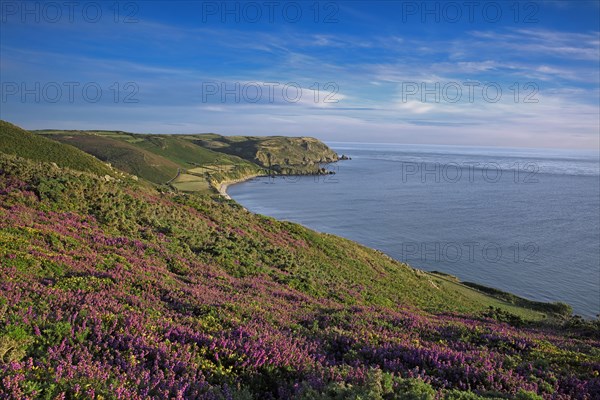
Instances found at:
x=172 y=63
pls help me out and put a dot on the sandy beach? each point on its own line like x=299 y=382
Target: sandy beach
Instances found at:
x=222 y=186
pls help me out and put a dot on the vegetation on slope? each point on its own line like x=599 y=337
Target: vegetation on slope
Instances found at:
x=19 y=142
x=194 y=163
x=161 y=159
x=123 y=155
x=282 y=154
x=557 y=308
x=184 y=152
x=107 y=291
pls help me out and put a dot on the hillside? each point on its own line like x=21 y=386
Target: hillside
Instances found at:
x=16 y=141
x=123 y=155
x=194 y=163
x=109 y=290
x=282 y=154
x=160 y=159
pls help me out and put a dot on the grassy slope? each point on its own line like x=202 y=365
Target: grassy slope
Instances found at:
x=122 y=154
x=158 y=158
x=331 y=266
x=189 y=293
x=203 y=167
x=16 y=141
x=320 y=265
x=166 y=283
x=184 y=152
x=297 y=153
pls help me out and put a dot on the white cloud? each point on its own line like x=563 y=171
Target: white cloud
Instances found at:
x=415 y=107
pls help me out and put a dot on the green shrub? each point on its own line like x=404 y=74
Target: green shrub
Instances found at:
x=524 y=395
x=458 y=395
x=377 y=386
x=501 y=315
x=14 y=342
x=414 y=389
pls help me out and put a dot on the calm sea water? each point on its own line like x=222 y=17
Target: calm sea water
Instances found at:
x=522 y=220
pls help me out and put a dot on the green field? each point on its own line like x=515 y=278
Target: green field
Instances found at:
x=191 y=183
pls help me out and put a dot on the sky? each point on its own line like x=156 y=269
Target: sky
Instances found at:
x=481 y=73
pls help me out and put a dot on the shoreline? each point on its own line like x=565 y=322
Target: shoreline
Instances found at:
x=552 y=310
x=548 y=309
x=224 y=185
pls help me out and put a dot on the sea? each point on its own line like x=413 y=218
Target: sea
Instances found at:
x=526 y=221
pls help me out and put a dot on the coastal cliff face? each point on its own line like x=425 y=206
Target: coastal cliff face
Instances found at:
x=282 y=154
x=110 y=288
x=292 y=151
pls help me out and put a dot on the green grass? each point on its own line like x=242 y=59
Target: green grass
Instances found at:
x=557 y=308
x=123 y=155
x=158 y=158
x=184 y=152
x=191 y=183
x=200 y=170
x=526 y=309
x=353 y=271
x=19 y=142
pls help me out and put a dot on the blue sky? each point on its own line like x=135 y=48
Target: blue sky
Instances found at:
x=382 y=71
